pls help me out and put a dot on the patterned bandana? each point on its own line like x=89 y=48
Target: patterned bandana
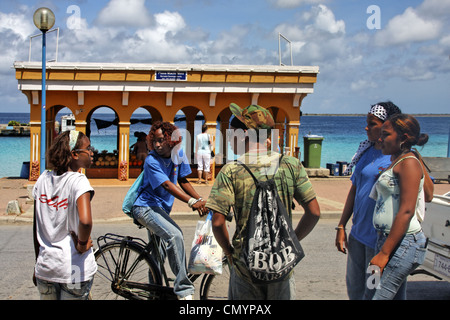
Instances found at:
x=379 y=112
x=253 y=116
x=73 y=138
x=363 y=146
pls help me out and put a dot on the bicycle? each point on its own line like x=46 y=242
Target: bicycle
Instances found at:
x=127 y=269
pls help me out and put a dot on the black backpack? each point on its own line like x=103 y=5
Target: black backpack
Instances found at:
x=272 y=249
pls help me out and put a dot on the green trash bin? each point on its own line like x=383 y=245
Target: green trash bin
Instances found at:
x=313 y=150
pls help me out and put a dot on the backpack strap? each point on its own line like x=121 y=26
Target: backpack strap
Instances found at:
x=256 y=183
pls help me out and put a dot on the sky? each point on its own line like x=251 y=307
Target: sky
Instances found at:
x=367 y=51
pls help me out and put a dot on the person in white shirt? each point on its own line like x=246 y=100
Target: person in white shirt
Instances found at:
x=65 y=263
x=203 y=152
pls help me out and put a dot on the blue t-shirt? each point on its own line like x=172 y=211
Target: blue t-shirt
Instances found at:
x=156 y=171
x=366 y=173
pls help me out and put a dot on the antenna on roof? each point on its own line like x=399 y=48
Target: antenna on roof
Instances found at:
x=40 y=35
x=280 y=36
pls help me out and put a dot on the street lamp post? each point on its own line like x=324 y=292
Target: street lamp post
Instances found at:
x=44 y=19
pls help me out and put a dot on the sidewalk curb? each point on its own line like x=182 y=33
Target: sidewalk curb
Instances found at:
x=184 y=216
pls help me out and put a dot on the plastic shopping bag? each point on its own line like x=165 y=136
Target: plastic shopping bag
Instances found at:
x=206 y=253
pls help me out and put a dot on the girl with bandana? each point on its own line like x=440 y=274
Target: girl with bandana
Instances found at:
x=65 y=263
x=368 y=162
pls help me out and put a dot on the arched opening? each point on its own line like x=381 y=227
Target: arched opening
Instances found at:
x=102 y=130
x=64 y=120
x=140 y=124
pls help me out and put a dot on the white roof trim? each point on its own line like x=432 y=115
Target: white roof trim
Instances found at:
x=127 y=86
x=166 y=67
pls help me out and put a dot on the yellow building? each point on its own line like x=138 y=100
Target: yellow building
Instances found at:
x=162 y=90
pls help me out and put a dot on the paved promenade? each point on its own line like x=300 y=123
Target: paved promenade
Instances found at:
x=109 y=194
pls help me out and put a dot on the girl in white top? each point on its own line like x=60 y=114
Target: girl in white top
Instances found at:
x=400 y=241
x=65 y=263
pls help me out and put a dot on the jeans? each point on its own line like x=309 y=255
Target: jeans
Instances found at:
x=409 y=254
x=156 y=220
x=242 y=289
x=64 y=291
x=359 y=256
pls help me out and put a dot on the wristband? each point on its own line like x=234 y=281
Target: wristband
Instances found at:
x=337 y=228
x=82 y=243
x=193 y=201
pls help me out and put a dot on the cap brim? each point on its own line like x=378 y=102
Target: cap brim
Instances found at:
x=237 y=112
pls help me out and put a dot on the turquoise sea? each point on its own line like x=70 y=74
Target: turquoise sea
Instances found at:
x=341 y=134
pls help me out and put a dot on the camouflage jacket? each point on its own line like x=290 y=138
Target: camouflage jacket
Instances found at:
x=235 y=188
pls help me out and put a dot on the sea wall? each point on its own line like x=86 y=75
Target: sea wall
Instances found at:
x=14 y=131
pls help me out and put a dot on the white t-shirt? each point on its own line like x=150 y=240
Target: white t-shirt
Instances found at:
x=203 y=143
x=56 y=216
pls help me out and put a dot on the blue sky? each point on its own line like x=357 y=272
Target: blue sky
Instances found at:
x=367 y=51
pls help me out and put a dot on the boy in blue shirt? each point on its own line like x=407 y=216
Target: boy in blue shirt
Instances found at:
x=165 y=166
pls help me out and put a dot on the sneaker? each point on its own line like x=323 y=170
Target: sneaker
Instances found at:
x=188 y=297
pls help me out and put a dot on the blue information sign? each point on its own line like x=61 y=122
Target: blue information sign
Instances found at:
x=171 y=75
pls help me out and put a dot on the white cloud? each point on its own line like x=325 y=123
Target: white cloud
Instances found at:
x=445 y=41
x=362 y=84
x=407 y=28
x=326 y=21
x=18 y=24
x=318 y=38
x=125 y=13
x=15 y=29
x=417 y=72
x=293 y=3
x=169 y=22
x=434 y=8
x=159 y=43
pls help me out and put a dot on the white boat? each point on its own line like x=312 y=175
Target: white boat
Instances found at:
x=67 y=122
x=436 y=227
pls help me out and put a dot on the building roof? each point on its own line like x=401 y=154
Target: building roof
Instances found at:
x=167 y=67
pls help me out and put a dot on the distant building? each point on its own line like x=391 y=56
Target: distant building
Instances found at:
x=162 y=90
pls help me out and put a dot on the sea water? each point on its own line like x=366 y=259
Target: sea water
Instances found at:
x=341 y=137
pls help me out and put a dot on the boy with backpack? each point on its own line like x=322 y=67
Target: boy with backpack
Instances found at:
x=261 y=186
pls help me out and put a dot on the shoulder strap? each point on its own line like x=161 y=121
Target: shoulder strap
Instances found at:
x=423 y=175
x=400 y=160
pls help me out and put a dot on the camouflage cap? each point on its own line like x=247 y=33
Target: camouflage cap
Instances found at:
x=253 y=116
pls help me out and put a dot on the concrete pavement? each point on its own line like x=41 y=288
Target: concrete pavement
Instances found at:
x=109 y=193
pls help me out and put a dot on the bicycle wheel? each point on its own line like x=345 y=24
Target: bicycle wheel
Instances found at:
x=125 y=271
x=215 y=287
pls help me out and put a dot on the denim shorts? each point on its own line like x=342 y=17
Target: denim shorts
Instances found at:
x=64 y=291
x=409 y=254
